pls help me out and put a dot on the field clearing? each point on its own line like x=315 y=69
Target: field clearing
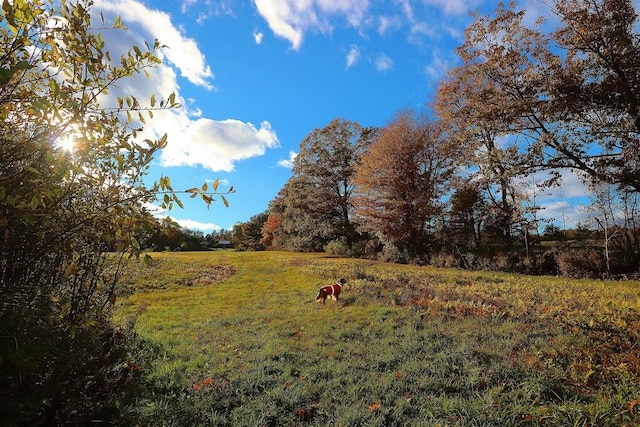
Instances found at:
x=235 y=338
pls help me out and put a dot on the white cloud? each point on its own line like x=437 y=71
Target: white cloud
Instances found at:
x=290 y=19
x=383 y=63
x=293 y=19
x=223 y=182
x=202 y=17
x=186 y=4
x=196 y=225
x=192 y=139
x=161 y=214
x=258 y=36
x=216 y=145
x=386 y=23
x=438 y=67
x=190 y=224
x=288 y=163
x=283 y=21
x=182 y=52
x=562 y=204
x=405 y=5
x=353 y=56
x=453 y=7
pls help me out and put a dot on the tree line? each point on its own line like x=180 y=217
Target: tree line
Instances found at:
x=445 y=185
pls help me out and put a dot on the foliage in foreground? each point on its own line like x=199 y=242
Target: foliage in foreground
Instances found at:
x=405 y=346
x=63 y=214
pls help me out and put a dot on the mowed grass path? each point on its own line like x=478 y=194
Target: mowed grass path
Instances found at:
x=235 y=338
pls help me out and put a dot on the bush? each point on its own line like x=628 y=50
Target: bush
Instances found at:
x=71 y=381
x=580 y=263
x=338 y=248
x=391 y=253
x=447 y=260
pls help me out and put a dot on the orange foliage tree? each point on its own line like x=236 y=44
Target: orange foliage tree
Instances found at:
x=402 y=181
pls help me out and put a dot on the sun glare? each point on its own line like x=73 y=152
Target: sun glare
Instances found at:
x=66 y=143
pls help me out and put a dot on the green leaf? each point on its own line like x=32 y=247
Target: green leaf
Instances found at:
x=224 y=200
x=117 y=23
x=6 y=74
x=35 y=201
x=135 y=243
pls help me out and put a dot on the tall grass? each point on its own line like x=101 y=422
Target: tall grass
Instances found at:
x=228 y=338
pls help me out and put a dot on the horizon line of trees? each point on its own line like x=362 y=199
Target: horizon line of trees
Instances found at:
x=446 y=185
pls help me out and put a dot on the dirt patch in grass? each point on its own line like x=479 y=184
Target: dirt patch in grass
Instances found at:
x=165 y=273
x=208 y=275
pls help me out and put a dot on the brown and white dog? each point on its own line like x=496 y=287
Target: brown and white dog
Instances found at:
x=330 y=291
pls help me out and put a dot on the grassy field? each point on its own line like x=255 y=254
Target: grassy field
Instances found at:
x=235 y=338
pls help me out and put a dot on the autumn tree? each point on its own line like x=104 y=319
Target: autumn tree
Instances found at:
x=68 y=219
x=494 y=105
x=401 y=182
x=318 y=197
x=565 y=99
x=272 y=233
x=595 y=86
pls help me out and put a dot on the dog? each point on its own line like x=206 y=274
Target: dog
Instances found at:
x=330 y=291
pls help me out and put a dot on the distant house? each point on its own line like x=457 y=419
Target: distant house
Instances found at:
x=224 y=243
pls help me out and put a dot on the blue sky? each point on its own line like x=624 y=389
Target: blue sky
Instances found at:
x=255 y=77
